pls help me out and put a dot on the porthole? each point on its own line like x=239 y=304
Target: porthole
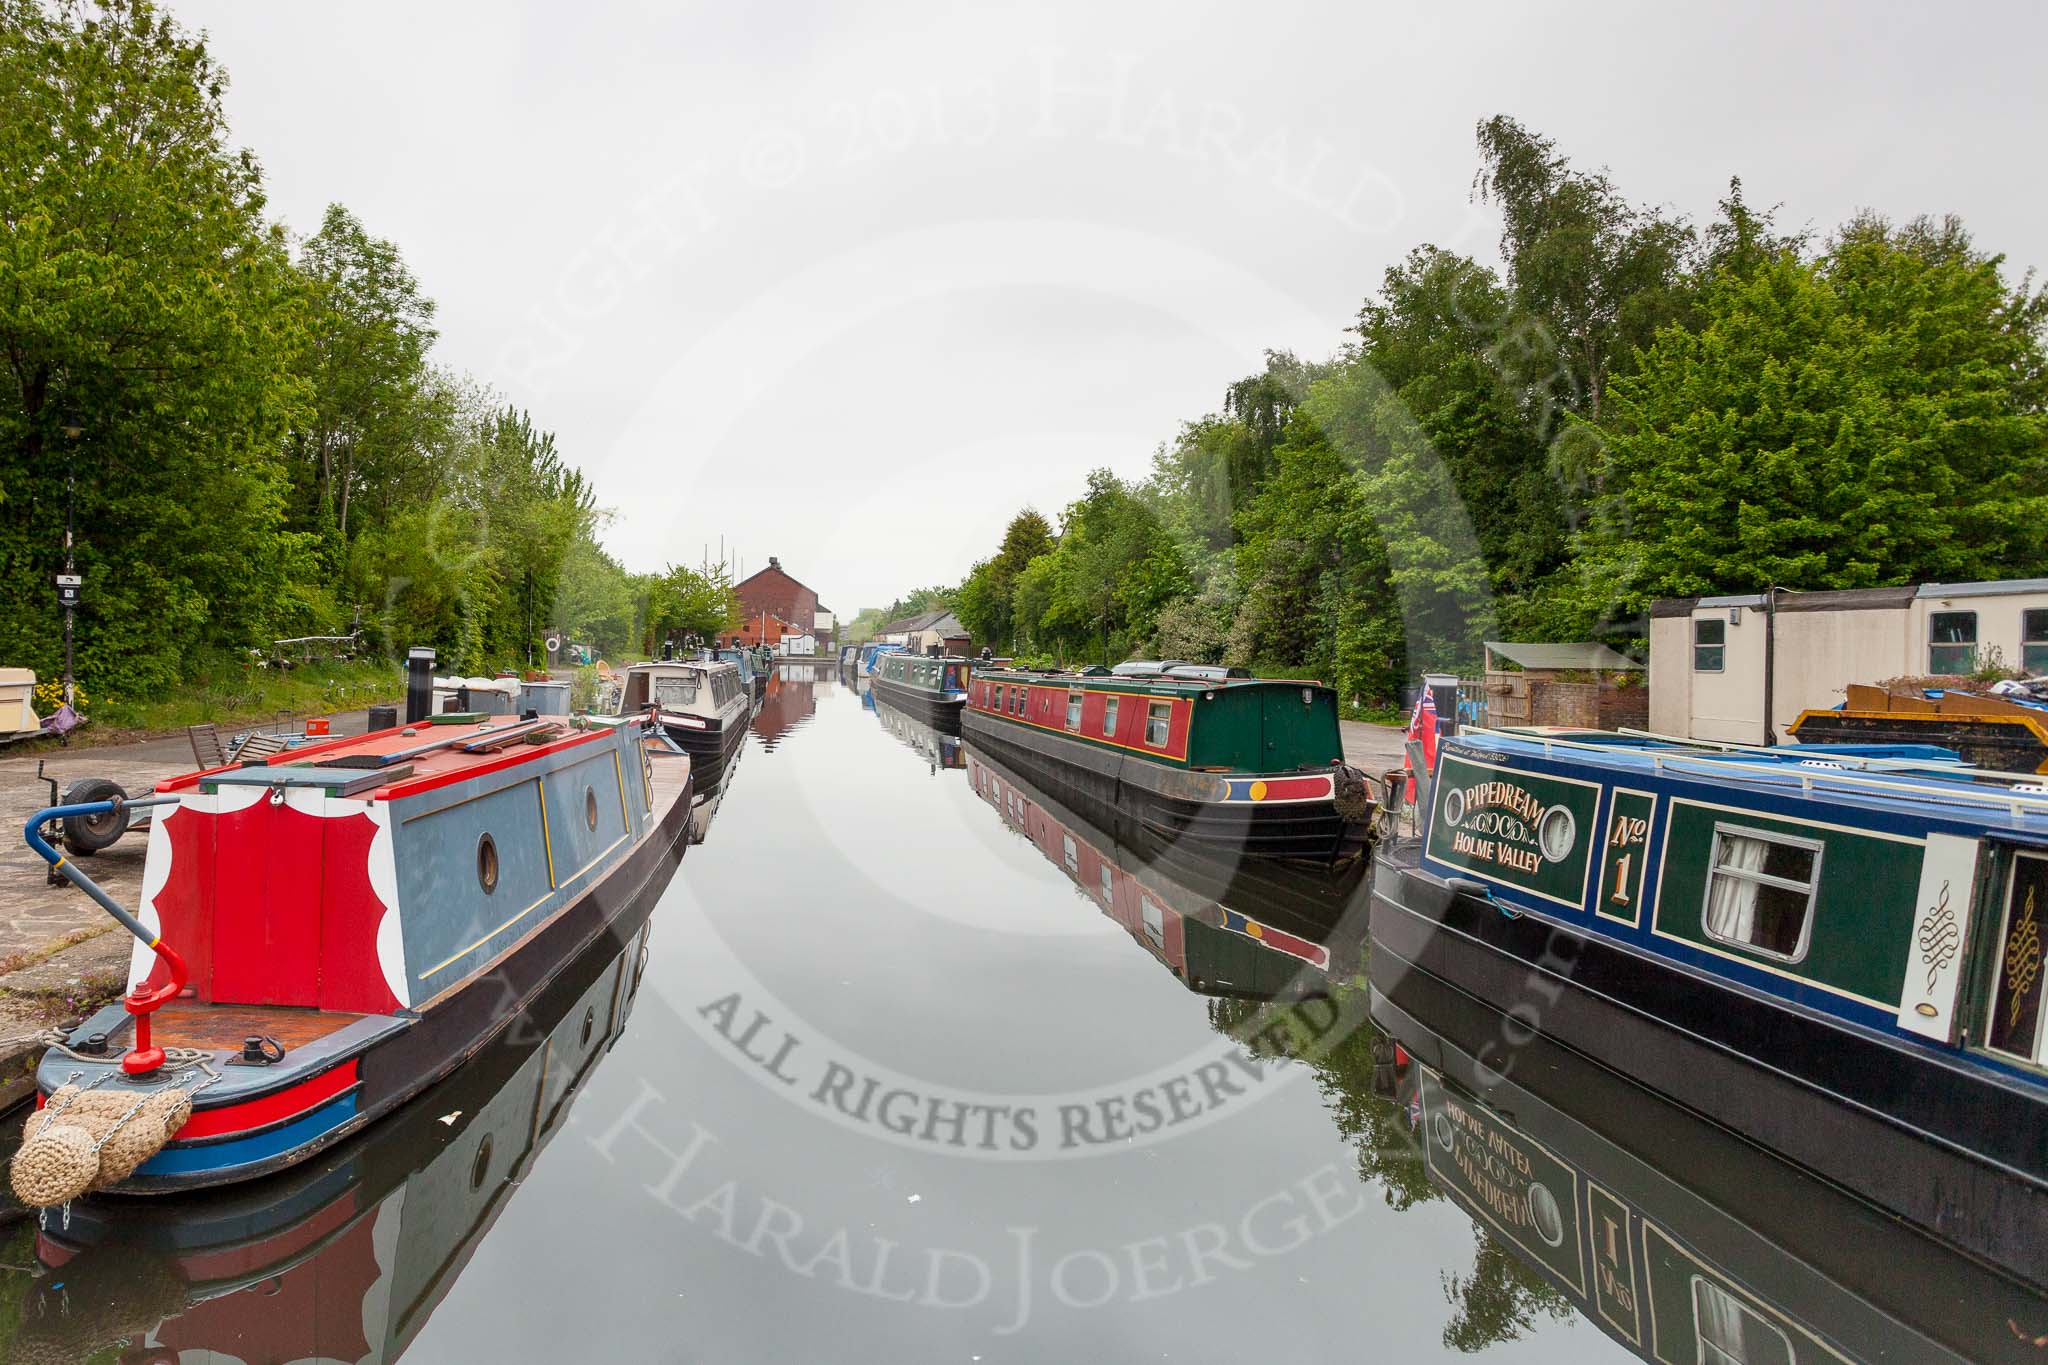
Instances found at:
x=481 y=1167
x=589 y=1022
x=590 y=808
x=1446 y=1136
x=487 y=863
x=1544 y=1214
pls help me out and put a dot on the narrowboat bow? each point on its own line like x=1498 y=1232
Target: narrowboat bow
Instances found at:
x=1210 y=758
x=326 y=933
x=1833 y=950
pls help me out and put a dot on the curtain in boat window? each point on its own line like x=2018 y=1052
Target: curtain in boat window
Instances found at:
x=1731 y=901
x=673 y=694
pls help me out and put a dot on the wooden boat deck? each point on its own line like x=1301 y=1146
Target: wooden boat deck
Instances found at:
x=189 y=1023
x=670 y=776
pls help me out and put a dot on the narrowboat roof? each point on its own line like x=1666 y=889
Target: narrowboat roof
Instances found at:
x=387 y=764
x=1177 y=680
x=684 y=666
x=1885 y=776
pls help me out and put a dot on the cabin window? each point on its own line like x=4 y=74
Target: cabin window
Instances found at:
x=1074 y=711
x=590 y=808
x=673 y=694
x=1730 y=1332
x=1108 y=894
x=2015 y=1023
x=2034 y=642
x=1709 y=644
x=1109 y=706
x=1760 y=889
x=1073 y=853
x=1157 y=714
x=1952 y=642
x=1154 y=920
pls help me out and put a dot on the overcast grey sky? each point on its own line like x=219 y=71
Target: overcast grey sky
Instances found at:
x=850 y=284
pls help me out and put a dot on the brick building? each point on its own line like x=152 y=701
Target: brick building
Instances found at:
x=774 y=593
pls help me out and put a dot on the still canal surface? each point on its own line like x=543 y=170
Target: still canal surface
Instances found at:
x=915 y=1064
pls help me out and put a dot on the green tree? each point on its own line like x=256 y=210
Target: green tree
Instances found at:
x=696 y=603
x=1871 y=417
x=984 y=601
x=141 y=289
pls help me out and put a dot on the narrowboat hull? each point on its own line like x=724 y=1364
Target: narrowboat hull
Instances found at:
x=1216 y=815
x=1671 y=1227
x=711 y=748
x=937 y=709
x=1956 y=1151
x=340 y=1071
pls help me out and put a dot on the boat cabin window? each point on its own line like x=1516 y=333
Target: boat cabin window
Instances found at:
x=2034 y=642
x=1108 y=885
x=1109 y=706
x=2015 y=1023
x=1760 y=889
x=1952 y=642
x=1074 y=711
x=1730 y=1332
x=1157 y=714
x=1709 y=641
x=1018 y=697
x=675 y=693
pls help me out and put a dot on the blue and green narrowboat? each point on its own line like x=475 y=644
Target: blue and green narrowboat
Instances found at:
x=931 y=687
x=753 y=673
x=1835 y=951
x=1208 y=757
x=1683 y=1242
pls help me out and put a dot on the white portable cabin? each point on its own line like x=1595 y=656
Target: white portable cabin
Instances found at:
x=18 y=701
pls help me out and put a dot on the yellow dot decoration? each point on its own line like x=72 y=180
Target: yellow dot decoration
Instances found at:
x=1258 y=791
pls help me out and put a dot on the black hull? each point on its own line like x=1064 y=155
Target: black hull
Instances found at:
x=1874 y=1287
x=1959 y=1154
x=937 y=712
x=467 y=1020
x=1165 y=802
x=711 y=750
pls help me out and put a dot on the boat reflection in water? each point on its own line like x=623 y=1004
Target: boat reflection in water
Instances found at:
x=940 y=750
x=1257 y=932
x=791 y=700
x=1674 y=1237
x=343 y=1257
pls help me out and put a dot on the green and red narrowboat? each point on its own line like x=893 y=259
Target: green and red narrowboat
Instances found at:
x=930 y=687
x=1260 y=932
x=325 y=933
x=1212 y=759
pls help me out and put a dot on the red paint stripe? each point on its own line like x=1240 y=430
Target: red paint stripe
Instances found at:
x=258 y=1113
x=1293 y=788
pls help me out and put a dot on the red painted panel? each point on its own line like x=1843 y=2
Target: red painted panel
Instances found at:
x=351 y=977
x=241 y=1260
x=310 y=1311
x=258 y=1113
x=181 y=902
x=266 y=906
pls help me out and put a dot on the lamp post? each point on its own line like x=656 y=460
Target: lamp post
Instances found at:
x=67 y=587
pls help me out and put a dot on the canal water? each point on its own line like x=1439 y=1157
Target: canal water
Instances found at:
x=914 y=1063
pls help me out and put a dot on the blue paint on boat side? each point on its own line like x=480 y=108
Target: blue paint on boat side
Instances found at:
x=251 y=1150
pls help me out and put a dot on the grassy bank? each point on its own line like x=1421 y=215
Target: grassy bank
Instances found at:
x=238 y=697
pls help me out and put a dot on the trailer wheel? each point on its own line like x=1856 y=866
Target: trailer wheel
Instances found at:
x=88 y=834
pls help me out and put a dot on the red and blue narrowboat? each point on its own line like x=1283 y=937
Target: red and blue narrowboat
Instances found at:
x=1834 y=950
x=345 y=1258
x=1210 y=758
x=325 y=933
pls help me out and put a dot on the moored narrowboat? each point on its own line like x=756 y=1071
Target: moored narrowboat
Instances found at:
x=871 y=653
x=1680 y=1240
x=753 y=673
x=1833 y=950
x=1289 y=930
x=324 y=934
x=1210 y=758
x=943 y=749
x=347 y=1257
x=930 y=687
x=704 y=707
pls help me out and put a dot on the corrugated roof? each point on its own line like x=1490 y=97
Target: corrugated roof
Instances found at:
x=2000 y=588
x=1583 y=654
